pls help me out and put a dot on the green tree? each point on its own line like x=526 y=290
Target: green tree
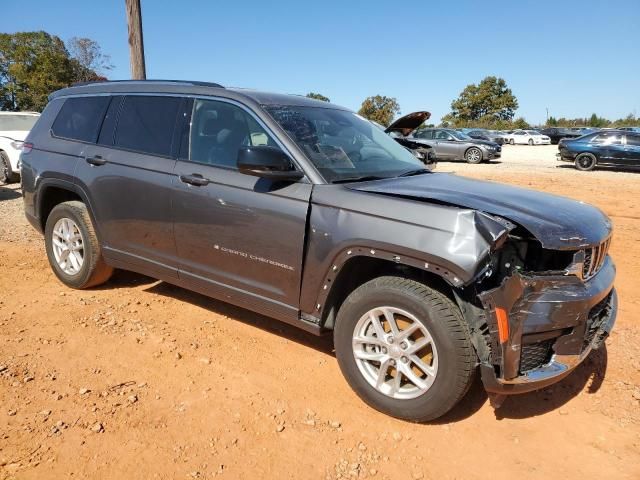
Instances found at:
x=488 y=102
x=380 y=109
x=520 y=123
x=318 y=96
x=90 y=62
x=32 y=65
x=552 y=122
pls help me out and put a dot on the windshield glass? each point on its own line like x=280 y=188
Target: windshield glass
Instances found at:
x=17 y=122
x=342 y=145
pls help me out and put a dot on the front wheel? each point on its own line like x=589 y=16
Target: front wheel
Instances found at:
x=73 y=249
x=512 y=141
x=404 y=348
x=7 y=175
x=531 y=142
x=586 y=162
x=473 y=155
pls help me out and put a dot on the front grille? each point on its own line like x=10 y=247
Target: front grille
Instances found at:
x=596 y=318
x=535 y=355
x=594 y=258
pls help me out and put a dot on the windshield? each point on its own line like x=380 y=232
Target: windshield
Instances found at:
x=17 y=122
x=343 y=145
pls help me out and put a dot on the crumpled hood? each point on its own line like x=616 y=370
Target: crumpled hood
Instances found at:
x=557 y=222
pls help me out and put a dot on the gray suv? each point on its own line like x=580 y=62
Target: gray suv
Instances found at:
x=306 y=212
x=453 y=145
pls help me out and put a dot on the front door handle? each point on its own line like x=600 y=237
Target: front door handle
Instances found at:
x=96 y=160
x=194 y=179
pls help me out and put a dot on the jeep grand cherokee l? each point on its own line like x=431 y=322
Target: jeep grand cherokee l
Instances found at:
x=306 y=212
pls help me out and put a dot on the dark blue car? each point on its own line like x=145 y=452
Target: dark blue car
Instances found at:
x=606 y=147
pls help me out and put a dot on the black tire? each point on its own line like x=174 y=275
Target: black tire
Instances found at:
x=586 y=162
x=531 y=142
x=7 y=175
x=94 y=270
x=473 y=155
x=442 y=319
x=512 y=141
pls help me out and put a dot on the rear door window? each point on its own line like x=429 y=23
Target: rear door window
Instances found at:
x=146 y=124
x=608 y=139
x=80 y=118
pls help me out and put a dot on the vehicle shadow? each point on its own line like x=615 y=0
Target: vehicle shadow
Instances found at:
x=589 y=374
x=9 y=193
x=602 y=168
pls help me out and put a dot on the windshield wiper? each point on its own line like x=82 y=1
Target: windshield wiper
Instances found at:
x=358 y=179
x=417 y=171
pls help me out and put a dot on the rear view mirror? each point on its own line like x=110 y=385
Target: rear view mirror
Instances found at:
x=267 y=162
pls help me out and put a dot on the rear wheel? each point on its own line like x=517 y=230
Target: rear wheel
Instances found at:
x=473 y=155
x=404 y=348
x=6 y=173
x=72 y=246
x=512 y=141
x=586 y=162
x=531 y=142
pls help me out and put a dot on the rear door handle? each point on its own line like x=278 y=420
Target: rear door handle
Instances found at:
x=96 y=160
x=194 y=179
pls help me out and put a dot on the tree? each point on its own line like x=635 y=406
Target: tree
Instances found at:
x=318 y=96
x=552 y=122
x=490 y=101
x=91 y=62
x=380 y=109
x=520 y=123
x=32 y=65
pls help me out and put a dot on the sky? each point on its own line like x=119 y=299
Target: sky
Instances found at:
x=572 y=57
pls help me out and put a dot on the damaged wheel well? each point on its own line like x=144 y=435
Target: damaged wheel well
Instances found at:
x=360 y=269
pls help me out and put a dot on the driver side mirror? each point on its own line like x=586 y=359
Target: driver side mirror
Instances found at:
x=267 y=162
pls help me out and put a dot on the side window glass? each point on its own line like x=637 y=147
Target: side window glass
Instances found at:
x=607 y=139
x=145 y=124
x=109 y=122
x=80 y=118
x=633 y=140
x=219 y=130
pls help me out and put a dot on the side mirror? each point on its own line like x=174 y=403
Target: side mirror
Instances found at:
x=267 y=162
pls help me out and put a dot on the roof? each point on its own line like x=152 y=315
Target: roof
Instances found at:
x=187 y=87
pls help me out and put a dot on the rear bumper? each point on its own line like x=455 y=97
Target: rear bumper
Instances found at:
x=554 y=322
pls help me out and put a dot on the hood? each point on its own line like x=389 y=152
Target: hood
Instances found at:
x=14 y=134
x=407 y=124
x=557 y=222
x=479 y=141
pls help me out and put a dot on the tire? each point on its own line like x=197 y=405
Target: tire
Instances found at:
x=7 y=175
x=450 y=356
x=88 y=268
x=473 y=155
x=586 y=162
x=530 y=142
x=512 y=141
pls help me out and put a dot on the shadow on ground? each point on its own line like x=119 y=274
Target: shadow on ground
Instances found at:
x=9 y=193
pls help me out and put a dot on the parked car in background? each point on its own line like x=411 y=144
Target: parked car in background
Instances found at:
x=489 y=135
x=607 y=147
x=450 y=144
x=405 y=126
x=630 y=129
x=557 y=133
x=528 y=137
x=14 y=127
x=305 y=212
x=584 y=130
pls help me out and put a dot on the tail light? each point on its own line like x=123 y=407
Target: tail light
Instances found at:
x=27 y=147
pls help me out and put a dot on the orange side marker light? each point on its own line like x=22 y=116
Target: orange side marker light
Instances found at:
x=503 y=324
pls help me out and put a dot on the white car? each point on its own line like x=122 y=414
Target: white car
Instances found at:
x=528 y=137
x=14 y=127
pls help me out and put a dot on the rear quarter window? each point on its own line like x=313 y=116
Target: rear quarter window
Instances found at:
x=80 y=118
x=146 y=124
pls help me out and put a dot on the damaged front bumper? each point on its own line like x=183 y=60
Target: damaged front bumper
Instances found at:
x=554 y=322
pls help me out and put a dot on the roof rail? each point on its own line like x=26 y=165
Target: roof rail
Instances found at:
x=181 y=82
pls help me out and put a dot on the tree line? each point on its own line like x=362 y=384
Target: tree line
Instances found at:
x=34 y=64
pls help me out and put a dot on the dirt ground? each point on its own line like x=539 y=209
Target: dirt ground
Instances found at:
x=140 y=379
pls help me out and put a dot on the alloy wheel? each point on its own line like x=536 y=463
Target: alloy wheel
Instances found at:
x=395 y=353
x=68 y=248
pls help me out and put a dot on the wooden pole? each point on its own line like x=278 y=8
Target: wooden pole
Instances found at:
x=136 y=44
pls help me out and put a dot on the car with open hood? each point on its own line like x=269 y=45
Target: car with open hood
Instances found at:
x=450 y=144
x=307 y=213
x=403 y=127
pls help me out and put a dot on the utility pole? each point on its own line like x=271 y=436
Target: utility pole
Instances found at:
x=136 y=44
x=547 y=116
